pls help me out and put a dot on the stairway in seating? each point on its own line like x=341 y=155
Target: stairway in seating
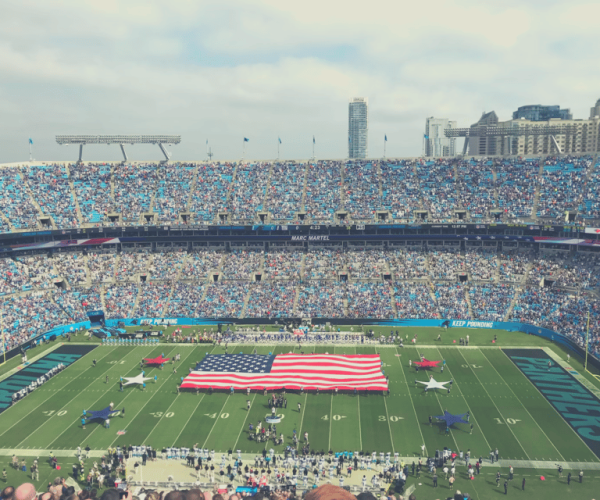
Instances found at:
x=246 y=300
x=393 y=299
x=296 y=299
x=102 y=300
x=74 y=195
x=192 y=187
x=469 y=305
x=303 y=200
x=513 y=302
x=137 y=300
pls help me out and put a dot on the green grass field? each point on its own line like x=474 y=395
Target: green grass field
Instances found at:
x=507 y=411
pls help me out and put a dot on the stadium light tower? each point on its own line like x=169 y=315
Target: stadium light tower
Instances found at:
x=121 y=140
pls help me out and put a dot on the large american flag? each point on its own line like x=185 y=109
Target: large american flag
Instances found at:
x=292 y=371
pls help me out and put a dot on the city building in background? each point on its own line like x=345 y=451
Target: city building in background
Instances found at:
x=539 y=113
x=358 y=128
x=595 y=111
x=436 y=144
x=490 y=137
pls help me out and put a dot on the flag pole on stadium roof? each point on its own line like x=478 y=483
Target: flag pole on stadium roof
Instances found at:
x=278 y=144
x=244 y=147
x=207 y=155
x=30 y=149
x=384 y=144
x=313 y=156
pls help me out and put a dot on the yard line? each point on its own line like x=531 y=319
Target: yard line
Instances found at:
x=442 y=408
x=465 y=400
x=536 y=423
x=45 y=400
x=302 y=418
x=411 y=401
x=359 y=429
x=330 y=420
x=499 y=412
x=99 y=426
x=549 y=403
x=151 y=397
x=78 y=393
x=191 y=414
x=389 y=426
x=243 y=425
x=216 y=420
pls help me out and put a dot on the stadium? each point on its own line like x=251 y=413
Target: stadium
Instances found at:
x=126 y=286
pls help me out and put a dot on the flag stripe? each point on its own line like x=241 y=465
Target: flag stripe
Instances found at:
x=292 y=371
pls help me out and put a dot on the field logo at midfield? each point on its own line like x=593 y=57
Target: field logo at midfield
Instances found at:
x=575 y=403
x=65 y=354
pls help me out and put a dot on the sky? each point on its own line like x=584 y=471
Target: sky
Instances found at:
x=262 y=69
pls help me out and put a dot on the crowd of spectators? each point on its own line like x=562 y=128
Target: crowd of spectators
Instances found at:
x=323 y=190
x=165 y=265
x=366 y=264
x=323 y=263
x=210 y=194
x=286 y=188
x=491 y=302
x=408 y=264
x=320 y=299
x=38 y=269
x=414 y=301
x=50 y=188
x=439 y=189
x=400 y=188
x=271 y=300
x=361 y=190
x=283 y=265
x=152 y=300
x=512 y=266
x=452 y=301
x=223 y=299
x=561 y=185
x=15 y=203
x=241 y=264
x=134 y=187
x=71 y=266
x=77 y=301
x=92 y=185
x=369 y=300
x=516 y=180
x=248 y=190
x=119 y=300
x=199 y=262
x=131 y=264
x=102 y=266
x=185 y=300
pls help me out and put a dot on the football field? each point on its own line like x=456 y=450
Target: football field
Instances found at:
x=507 y=411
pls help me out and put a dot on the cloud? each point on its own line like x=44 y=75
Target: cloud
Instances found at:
x=263 y=69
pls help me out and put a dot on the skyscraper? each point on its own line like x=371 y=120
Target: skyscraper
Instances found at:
x=358 y=128
x=539 y=113
x=436 y=143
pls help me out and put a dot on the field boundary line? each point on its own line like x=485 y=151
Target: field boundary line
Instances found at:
x=442 y=408
x=574 y=432
x=466 y=402
x=524 y=407
x=216 y=420
x=53 y=395
x=16 y=369
x=151 y=398
x=243 y=424
x=104 y=394
x=411 y=401
x=497 y=409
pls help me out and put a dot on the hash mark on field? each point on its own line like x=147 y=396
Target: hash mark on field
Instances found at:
x=216 y=420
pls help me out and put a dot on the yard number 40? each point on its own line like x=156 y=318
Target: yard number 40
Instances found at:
x=511 y=421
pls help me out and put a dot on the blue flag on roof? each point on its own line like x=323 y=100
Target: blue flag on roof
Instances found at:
x=313 y=139
x=386 y=138
x=349 y=139
x=246 y=139
x=279 y=140
x=30 y=141
x=426 y=136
